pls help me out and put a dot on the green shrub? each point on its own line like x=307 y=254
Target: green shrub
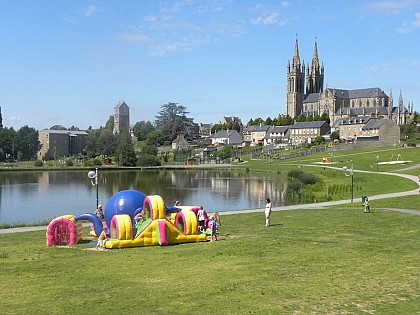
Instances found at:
x=39 y=163
x=97 y=161
x=69 y=162
x=148 y=160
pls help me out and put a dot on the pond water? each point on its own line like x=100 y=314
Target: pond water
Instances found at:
x=43 y=195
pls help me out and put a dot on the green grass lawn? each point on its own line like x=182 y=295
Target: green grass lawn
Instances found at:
x=332 y=261
x=334 y=185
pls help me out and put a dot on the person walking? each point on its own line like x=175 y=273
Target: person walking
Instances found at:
x=267 y=211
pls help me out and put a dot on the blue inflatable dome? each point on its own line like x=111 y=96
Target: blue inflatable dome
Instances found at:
x=123 y=202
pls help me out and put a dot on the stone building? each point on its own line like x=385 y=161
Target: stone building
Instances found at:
x=308 y=97
x=61 y=143
x=304 y=132
x=121 y=118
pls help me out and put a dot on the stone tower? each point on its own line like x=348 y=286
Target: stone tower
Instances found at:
x=315 y=75
x=295 y=84
x=121 y=118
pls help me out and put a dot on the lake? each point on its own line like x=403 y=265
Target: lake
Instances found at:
x=33 y=196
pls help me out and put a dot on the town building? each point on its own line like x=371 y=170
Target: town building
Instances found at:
x=254 y=134
x=180 y=143
x=61 y=143
x=226 y=137
x=278 y=136
x=304 y=132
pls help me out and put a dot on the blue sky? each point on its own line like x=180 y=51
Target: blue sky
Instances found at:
x=69 y=62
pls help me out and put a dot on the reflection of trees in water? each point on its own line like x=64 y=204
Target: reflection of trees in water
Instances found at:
x=194 y=185
x=230 y=188
x=25 y=182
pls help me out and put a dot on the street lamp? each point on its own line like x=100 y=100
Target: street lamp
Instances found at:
x=93 y=175
x=377 y=162
x=350 y=173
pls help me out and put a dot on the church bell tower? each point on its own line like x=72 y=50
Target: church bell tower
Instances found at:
x=295 y=84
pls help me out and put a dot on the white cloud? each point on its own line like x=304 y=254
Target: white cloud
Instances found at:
x=14 y=118
x=270 y=19
x=407 y=27
x=91 y=9
x=414 y=63
x=137 y=39
x=390 y=7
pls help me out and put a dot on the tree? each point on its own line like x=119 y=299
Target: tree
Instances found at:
x=1 y=120
x=334 y=135
x=101 y=142
x=155 y=138
x=301 y=118
x=318 y=140
x=8 y=140
x=149 y=149
x=28 y=143
x=172 y=121
x=142 y=128
x=125 y=154
x=325 y=117
x=225 y=152
x=110 y=123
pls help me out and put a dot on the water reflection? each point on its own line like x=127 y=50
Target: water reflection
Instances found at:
x=35 y=196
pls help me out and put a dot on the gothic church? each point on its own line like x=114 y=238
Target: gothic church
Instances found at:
x=309 y=98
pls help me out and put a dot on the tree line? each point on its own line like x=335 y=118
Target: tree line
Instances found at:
x=170 y=122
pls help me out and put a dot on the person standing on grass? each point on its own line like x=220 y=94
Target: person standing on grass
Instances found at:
x=267 y=211
x=201 y=219
x=213 y=227
x=367 y=204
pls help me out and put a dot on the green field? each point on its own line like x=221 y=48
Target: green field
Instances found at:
x=331 y=261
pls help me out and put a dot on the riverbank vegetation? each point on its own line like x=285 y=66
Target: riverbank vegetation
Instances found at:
x=329 y=261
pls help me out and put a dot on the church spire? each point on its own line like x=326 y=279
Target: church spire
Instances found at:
x=400 y=101
x=296 y=57
x=315 y=75
x=315 y=59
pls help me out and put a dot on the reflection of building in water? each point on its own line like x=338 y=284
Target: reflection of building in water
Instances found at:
x=230 y=186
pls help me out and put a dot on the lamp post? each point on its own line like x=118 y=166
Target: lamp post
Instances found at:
x=350 y=173
x=93 y=175
x=377 y=162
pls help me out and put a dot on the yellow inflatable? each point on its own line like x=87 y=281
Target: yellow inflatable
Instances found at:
x=156 y=229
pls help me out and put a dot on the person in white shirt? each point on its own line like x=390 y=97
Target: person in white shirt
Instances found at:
x=201 y=219
x=267 y=211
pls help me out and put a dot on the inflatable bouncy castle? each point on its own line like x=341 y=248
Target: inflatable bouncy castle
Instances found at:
x=159 y=224
x=64 y=230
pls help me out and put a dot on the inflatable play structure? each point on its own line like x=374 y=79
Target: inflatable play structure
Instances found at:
x=158 y=224
x=64 y=230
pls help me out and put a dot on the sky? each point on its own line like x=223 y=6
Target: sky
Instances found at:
x=69 y=62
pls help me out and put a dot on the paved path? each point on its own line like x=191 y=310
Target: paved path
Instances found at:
x=318 y=205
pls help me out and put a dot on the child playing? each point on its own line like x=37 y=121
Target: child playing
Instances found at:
x=100 y=244
x=213 y=227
